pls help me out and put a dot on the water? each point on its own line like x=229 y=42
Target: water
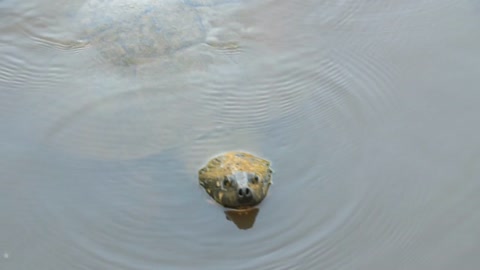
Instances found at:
x=367 y=110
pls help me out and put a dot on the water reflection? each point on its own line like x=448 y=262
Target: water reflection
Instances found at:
x=243 y=219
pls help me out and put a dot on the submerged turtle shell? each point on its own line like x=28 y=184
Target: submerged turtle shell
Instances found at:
x=218 y=178
x=132 y=32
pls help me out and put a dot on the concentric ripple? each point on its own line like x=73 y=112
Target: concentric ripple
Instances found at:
x=310 y=116
x=130 y=124
x=302 y=116
x=37 y=65
x=352 y=15
x=113 y=180
x=23 y=37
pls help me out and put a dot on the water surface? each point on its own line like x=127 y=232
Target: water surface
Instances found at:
x=367 y=109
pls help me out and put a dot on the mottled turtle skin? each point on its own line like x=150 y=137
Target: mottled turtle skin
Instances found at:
x=236 y=179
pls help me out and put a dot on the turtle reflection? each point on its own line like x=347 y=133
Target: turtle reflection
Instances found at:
x=244 y=219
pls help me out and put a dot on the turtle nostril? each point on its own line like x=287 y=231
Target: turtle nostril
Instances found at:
x=244 y=192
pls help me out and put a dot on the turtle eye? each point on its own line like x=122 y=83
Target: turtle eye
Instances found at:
x=255 y=179
x=226 y=182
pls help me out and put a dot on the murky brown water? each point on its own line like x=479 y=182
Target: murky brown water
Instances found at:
x=368 y=111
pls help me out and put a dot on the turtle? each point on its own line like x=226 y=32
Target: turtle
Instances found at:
x=236 y=179
x=135 y=32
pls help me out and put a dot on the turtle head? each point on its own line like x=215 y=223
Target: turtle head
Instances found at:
x=242 y=190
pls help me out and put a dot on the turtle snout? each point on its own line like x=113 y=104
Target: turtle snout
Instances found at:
x=244 y=193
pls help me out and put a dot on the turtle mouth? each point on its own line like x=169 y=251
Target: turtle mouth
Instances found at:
x=243 y=206
x=241 y=203
x=244 y=202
